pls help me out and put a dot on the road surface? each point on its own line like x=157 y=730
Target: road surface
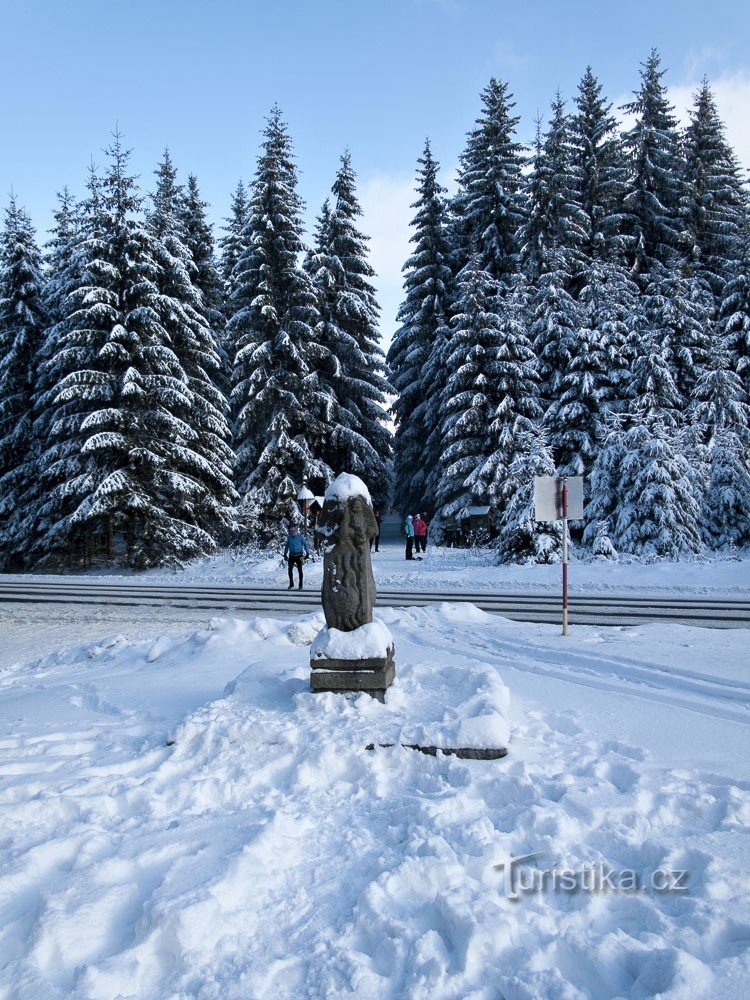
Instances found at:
x=585 y=609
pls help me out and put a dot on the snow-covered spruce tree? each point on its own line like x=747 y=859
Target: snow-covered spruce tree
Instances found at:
x=554 y=323
x=430 y=412
x=720 y=412
x=22 y=323
x=719 y=400
x=600 y=170
x=514 y=383
x=726 y=504
x=122 y=453
x=608 y=301
x=603 y=547
x=642 y=482
x=606 y=476
x=58 y=253
x=554 y=226
x=279 y=403
x=489 y=206
x=357 y=439
x=423 y=313
x=655 y=185
x=713 y=199
x=523 y=539
x=472 y=392
x=653 y=391
x=236 y=236
x=62 y=274
x=734 y=313
x=677 y=311
x=199 y=239
x=177 y=221
x=657 y=513
x=575 y=417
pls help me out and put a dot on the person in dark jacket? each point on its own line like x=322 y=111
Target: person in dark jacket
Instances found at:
x=376 y=538
x=295 y=551
x=420 y=533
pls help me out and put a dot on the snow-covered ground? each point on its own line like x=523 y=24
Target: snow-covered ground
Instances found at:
x=469 y=570
x=180 y=817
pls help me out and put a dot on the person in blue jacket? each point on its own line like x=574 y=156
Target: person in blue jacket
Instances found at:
x=295 y=551
x=409 y=532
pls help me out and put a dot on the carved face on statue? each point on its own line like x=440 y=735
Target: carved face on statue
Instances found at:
x=355 y=524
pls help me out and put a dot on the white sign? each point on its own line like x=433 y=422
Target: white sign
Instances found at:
x=548 y=498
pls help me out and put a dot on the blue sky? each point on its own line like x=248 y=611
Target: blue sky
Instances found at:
x=376 y=77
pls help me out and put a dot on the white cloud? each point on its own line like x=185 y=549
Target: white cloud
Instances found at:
x=386 y=201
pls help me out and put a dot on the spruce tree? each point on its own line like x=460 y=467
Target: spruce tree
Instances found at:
x=279 y=402
x=721 y=415
x=177 y=220
x=657 y=513
x=199 y=239
x=22 y=323
x=600 y=171
x=422 y=315
x=123 y=455
x=676 y=311
x=234 y=243
x=554 y=323
x=575 y=420
x=713 y=199
x=514 y=384
x=59 y=249
x=725 y=515
x=655 y=188
x=654 y=392
x=489 y=207
x=734 y=314
x=608 y=302
x=357 y=439
x=473 y=390
x=555 y=223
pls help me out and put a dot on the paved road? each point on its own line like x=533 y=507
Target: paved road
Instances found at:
x=586 y=609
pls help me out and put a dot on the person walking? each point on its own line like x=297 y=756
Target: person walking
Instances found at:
x=376 y=539
x=295 y=551
x=409 y=532
x=420 y=533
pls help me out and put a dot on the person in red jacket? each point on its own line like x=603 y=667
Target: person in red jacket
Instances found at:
x=420 y=533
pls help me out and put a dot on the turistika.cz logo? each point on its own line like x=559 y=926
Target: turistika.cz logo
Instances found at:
x=521 y=877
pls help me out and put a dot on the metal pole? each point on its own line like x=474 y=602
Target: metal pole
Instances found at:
x=565 y=556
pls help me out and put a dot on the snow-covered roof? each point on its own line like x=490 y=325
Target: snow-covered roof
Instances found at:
x=345 y=486
x=305 y=494
x=473 y=512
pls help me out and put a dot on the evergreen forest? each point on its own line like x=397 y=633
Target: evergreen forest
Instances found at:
x=577 y=307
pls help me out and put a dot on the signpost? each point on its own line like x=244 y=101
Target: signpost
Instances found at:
x=304 y=497
x=559 y=498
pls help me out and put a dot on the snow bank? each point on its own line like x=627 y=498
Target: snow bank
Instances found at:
x=345 y=486
x=184 y=818
x=371 y=641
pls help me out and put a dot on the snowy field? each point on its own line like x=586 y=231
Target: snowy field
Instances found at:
x=466 y=570
x=180 y=817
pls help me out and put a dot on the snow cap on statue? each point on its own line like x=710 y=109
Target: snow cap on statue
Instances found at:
x=346 y=486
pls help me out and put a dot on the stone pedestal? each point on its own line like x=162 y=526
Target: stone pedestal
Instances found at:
x=373 y=675
x=360 y=660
